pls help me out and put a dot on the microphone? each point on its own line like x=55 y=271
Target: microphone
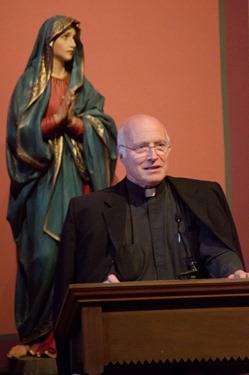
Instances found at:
x=178 y=219
x=190 y=261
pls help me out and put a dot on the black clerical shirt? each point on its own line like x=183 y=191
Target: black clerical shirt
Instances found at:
x=151 y=248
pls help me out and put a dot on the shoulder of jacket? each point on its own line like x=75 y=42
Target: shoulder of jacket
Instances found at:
x=191 y=181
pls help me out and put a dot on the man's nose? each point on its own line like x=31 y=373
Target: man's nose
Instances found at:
x=152 y=154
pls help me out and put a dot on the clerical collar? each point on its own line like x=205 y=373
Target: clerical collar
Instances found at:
x=150 y=192
x=137 y=190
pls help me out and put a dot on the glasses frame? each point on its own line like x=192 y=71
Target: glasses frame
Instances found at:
x=147 y=148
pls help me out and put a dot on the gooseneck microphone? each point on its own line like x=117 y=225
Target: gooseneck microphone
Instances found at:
x=190 y=261
x=178 y=219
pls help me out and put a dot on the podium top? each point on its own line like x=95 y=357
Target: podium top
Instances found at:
x=150 y=295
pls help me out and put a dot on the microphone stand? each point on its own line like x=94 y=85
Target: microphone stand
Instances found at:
x=192 y=272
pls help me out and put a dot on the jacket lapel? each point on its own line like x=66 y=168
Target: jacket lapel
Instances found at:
x=115 y=213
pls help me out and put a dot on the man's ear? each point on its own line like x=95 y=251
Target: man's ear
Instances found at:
x=120 y=153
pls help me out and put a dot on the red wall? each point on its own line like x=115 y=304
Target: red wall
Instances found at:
x=236 y=112
x=160 y=57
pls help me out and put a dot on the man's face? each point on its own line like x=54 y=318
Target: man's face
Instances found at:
x=150 y=168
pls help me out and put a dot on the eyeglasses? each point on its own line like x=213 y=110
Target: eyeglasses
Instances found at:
x=161 y=148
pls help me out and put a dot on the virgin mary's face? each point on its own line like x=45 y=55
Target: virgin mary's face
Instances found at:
x=64 y=45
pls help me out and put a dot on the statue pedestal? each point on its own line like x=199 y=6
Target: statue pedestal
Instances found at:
x=32 y=365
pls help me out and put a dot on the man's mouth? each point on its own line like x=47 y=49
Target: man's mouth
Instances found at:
x=152 y=167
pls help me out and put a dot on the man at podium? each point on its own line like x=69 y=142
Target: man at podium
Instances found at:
x=149 y=226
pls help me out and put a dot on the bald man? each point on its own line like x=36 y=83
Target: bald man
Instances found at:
x=149 y=226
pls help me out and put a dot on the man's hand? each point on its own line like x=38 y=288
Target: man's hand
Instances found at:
x=239 y=274
x=111 y=279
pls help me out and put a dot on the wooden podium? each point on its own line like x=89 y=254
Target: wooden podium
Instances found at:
x=145 y=322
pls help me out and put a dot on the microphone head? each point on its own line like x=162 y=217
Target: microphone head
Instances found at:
x=178 y=217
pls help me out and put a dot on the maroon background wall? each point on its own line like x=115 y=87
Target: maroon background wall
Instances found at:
x=235 y=73
x=161 y=57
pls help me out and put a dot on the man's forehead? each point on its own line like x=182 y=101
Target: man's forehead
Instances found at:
x=148 y=132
